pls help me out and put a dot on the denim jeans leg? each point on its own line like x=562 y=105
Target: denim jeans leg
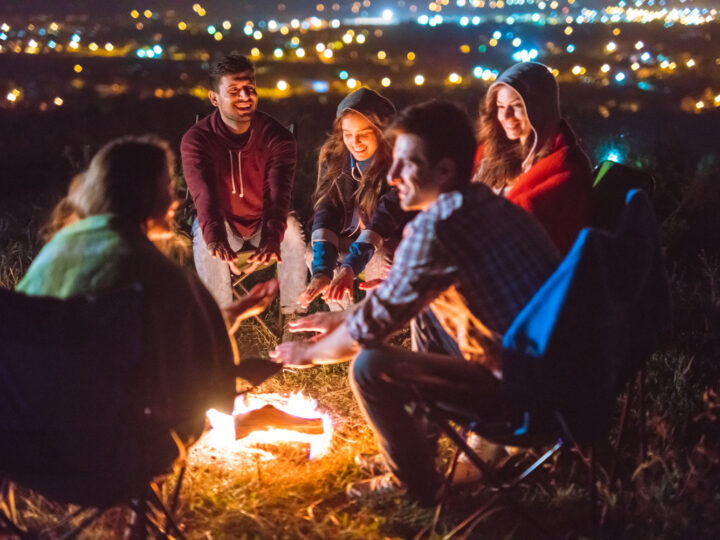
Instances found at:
x=385 y=379
x=213 y=272
x=401 y=438
x=428 y=335
x=292 y=272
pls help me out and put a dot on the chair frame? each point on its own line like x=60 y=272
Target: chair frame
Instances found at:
x=456 y=428
x=150 y=515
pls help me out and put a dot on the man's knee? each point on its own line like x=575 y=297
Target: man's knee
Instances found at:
x=371 y=366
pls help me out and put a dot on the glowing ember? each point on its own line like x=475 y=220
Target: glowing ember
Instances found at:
x=222 y=436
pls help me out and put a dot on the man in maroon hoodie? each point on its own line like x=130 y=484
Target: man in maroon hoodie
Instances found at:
x=239 y=164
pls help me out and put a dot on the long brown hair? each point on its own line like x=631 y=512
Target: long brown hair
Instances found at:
x=333 y=160
x=502 y=158
x=127 y=177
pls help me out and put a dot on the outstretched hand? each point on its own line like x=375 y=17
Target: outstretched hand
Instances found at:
x=252 y=304
x=322 y=322
x=370 y=285
x=315 y=288
x=341 y=286
x=292 y=353
x=222 y=251
x=266 y=253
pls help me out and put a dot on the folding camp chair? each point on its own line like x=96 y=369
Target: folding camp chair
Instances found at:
x=569 y=352
x=611 y=183
x=76 y=424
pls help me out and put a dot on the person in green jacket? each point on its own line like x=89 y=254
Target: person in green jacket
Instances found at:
x=100 y=242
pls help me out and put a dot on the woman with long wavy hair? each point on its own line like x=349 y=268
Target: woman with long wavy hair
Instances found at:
x=529 y=154
x=356 y=213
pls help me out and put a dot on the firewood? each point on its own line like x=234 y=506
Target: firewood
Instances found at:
x=269 y=417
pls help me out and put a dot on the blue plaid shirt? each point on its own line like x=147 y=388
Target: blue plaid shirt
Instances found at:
x=476 y=259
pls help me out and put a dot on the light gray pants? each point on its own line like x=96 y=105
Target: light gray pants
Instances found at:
x=292 y=272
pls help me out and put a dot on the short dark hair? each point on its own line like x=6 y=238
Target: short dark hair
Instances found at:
x=230 y=65
x=446 y=131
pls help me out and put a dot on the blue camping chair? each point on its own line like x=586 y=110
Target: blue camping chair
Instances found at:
x=571 y=350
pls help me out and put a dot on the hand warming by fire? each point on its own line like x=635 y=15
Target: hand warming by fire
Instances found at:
x=266 y=419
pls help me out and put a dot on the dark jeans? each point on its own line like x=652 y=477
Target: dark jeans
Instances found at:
x=386 y=379
x=428 y=335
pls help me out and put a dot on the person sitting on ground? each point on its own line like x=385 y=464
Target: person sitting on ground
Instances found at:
x=99 y=241
x=529 y=154
x=474 y=258
x=356 y=213
x=239 y=165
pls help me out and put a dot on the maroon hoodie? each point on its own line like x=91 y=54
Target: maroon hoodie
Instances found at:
x=246 y=183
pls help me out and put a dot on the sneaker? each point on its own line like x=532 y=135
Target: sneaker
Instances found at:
x=381 y=485
x=465 y=470
x=372 y=464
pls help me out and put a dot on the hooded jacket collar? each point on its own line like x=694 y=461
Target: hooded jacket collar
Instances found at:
x=234 y=142
x=539 y=91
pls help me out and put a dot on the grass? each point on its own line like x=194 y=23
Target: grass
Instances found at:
x=672 y=493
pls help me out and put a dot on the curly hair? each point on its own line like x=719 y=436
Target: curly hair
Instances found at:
x=332 y=162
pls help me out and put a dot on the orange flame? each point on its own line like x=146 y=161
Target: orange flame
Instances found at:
x=222 y=436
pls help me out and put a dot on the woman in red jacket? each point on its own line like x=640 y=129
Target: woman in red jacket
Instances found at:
x=529 y=154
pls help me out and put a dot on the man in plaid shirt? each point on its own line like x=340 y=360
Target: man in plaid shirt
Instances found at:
x=473 y=257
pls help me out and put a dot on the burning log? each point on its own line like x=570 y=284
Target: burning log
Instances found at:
x=269 y=417
x=266 y=424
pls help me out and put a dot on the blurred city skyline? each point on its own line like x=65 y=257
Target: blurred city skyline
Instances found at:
x=401 y=9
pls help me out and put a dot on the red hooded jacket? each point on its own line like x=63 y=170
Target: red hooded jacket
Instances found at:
x=557 y=189
x=248 y=185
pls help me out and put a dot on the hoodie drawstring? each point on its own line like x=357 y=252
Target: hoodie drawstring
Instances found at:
x=232 y=174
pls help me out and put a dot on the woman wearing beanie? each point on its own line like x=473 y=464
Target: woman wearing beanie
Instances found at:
x=356 y=213
x=529 y=154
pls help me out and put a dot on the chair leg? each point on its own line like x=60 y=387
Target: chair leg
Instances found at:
x=593 y=492
x=621 y=432
x=176 y=491
x=170 y=523
x=641 y=396
x=444 y=490
x=136 y=526
x=256 y=317
x=85 y=523
x=8 y=511
x=7 y=524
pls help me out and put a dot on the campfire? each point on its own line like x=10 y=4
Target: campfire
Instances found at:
x=261 y=422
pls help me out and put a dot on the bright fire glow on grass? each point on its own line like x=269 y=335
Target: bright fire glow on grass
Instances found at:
x=222 y=436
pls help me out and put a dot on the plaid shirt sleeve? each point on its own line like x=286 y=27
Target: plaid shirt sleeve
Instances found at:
x=422 y=269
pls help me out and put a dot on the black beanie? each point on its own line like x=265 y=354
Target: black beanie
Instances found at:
x=368 y=102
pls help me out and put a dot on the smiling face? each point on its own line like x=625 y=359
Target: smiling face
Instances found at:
x=359 y=135
x=236 y=99
x=418 y=182
x=511 y=114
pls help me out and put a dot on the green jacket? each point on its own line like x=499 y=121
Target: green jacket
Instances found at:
x=187 y=350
